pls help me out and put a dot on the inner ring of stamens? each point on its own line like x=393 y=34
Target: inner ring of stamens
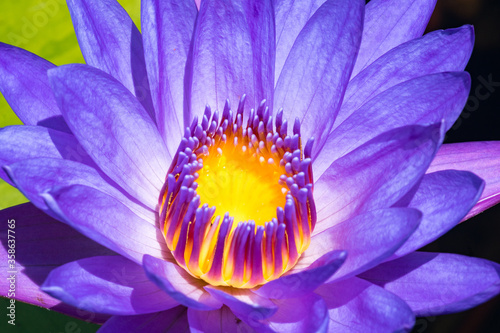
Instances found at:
x=258 y=178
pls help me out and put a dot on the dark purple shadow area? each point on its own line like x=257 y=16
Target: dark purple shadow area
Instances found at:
x=139 y=75
x=42 y=244
x=55 y=122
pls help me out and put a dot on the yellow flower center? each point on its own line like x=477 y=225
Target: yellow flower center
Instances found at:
x=242 y=184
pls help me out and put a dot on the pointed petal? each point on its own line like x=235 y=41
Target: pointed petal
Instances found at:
x=301 y=283
x=356 y=305
x=438 y=283
x=481 y=158
x=167 y=28
x=111 y=42
x=421 y=101
x=243 y=301
x=438 y=51
x=39 y=175
x=50 y=243
x=178 y=284
x=368 y=239
x=389 y=23
x=107 y=284
x=106 y=221
x=19 y=143
x=25 y=86
x=233 y=54
x=113 y=128
x=377 y=174
x=444 y=198
x=311 y=87
x=291 y=17
x=215 y=321
x=169 y=321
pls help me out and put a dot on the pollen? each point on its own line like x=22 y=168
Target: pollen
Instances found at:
x=237 y=207
x=238 y=180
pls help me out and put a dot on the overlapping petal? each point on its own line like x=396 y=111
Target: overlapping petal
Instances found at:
x=107 y=284
x=300 y=282
x=110 y=41
x=179 y=285
x=444 y=198
x=438 y=51
x=311 y=87
x=301 y=315
x=481 y=158
x=50 y=244
x=106 y=221
x=355 y=305
x=113 y=128
x=291 y=16
x=368 y=238
x=377 y=174
x=420 y=101
x=243 y=301
x=215 y=321
x=39 y=175
x=25 y=86
x=389 y=23
x=438 y=283
x=170 y=321
x=167 y=29
x=233 y=54
x=18 y=143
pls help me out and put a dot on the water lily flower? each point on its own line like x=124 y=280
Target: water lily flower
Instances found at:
x=246 y=166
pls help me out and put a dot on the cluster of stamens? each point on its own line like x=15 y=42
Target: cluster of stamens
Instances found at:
x=221 y=162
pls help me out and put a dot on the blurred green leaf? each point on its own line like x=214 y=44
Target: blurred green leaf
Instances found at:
x=30 y=318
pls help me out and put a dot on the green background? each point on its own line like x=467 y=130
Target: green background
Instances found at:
x=43 y=28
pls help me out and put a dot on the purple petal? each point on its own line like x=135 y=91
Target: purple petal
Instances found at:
x=106 y=221
x=481 y=158
x=389 y=23
x=39 y=175
x=291 y=17
x=178 y=284
x=368 y=239
x=170 y=321
x=25 y=86
x=113 y=128
x=242 y=301
x=301 y=315
x=19 y=143
x=313 y=80
x=438 y=51
x=301 y=283
x=355 y=305
x=111 y=42
x=438 y=283
x=215 y=321
x=444 y=198
x=48 y=243
x=377 y=174
x=167 y=28
x=421 y=101
x=107 y=284
x=233 y=54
